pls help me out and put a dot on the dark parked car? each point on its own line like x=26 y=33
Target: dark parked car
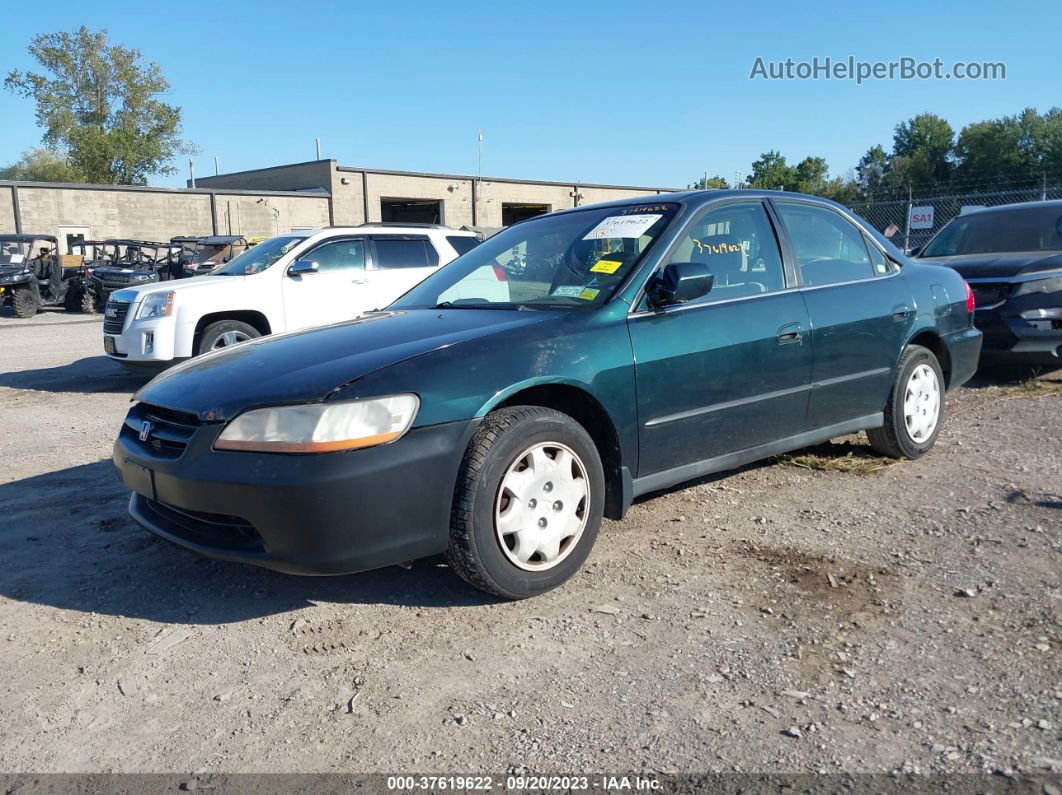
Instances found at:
x=1012 y=258
x=652 y=342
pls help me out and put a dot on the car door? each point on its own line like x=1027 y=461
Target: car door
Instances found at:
x=335 y=292
x=731 y=370
x=860 y=307
x=398 y=263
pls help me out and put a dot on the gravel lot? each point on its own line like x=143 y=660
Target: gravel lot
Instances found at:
x=777 y=619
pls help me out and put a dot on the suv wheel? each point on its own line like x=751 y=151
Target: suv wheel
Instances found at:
x=24 y=302
x=528 y=502
x=914 y=412
x=223 y=334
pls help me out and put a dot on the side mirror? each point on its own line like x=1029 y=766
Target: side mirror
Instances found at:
x=680 y=282
x=303 y=266
x=914 y=252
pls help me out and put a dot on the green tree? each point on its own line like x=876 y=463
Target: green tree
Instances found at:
x=810 y=175
x=926 y=145
x=1023 y=149
x=708 y=183
x=871 y=171
x=42 y=165
x=771 y=172
x=98 y=103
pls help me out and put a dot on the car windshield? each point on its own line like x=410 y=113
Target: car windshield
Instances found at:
x=1028 y=229
x=13 y=252
x=571 y=260
x=259 y=258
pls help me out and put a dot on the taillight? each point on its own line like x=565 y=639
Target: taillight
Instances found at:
x=500 y=274
x=971 y=302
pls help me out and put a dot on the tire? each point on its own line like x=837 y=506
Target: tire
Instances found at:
x=506 y=445
x=223 y=334
x=24 y=303
x=72 y=300
x=905 y=434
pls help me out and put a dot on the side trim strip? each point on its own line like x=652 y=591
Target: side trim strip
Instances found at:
x=730 y=404
x=671 y=477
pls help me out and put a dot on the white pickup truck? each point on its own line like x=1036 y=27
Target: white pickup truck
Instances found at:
x=283 y=284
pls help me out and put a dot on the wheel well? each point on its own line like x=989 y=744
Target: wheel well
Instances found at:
x=584 y=409
x=255 y=319
x=927 y=339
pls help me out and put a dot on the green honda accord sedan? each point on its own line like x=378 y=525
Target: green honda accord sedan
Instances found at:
x=542 y=381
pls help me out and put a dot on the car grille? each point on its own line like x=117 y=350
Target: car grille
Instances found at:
x=208 y=529
x=990 y=294
x=114 y=317
x=169 y=433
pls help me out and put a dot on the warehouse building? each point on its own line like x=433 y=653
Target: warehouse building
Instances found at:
x=361 y=195
x=269 y=201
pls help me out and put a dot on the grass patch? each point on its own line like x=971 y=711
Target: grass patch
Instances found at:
x=844 y=457
x=1032 y=388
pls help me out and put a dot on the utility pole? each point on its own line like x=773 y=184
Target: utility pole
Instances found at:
x=215 y=165
x=318 y=142
x=191 y=172
x=479 y=173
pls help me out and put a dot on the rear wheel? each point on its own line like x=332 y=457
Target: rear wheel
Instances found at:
x=914 y=412
x=225 y=333
x=528 y=502
x=24 y=302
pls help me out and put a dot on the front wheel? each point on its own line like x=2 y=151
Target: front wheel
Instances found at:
x=223 y=334
x=528 y=504
x=914 y=412
x=24 y=302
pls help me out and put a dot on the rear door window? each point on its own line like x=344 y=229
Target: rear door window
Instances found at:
x=829 y=248
x=404 y=252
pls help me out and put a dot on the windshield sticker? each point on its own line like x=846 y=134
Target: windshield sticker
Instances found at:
x=17 y=258
x=568 y=291
x=589 y=294
x=606 y=266
x=622 y=226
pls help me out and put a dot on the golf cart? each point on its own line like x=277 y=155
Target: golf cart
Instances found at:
x=187 y=244
x=128 y=263
x=214 y=251
x=33 y=275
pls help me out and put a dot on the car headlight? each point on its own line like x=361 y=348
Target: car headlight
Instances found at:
x=321 y=427
x=156 y=305
x=1052 y=284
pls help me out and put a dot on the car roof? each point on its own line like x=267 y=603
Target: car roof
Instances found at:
x=1017 y=207
x=218 y=239
x=393 y=228
x=26 y=238
x=697 y=198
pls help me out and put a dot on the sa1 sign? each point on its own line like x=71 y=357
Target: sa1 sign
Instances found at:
x=921 y=217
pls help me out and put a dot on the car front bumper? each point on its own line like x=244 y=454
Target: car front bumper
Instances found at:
x=1008 y=335
x=332 y=513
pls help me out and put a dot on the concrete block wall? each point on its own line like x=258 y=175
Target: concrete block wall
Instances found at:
x=156 y=213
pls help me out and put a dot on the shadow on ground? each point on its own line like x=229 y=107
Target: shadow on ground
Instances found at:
x=85 y=376
x=67 y=542
x=999 y=374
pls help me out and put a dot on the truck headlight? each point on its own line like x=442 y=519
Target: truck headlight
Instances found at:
x=321 y=427
x=156 y=305
x=1051 y=284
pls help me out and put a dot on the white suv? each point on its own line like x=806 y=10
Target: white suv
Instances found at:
x=283 y=284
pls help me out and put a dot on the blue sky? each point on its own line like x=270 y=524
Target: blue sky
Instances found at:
x=615 y=92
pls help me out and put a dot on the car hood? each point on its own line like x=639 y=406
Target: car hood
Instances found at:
x=307 y=366
x=179 y=286
x=1000 y=266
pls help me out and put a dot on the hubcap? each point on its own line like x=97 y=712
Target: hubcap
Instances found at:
x=542 y=506
x=229 y=338
x=921 y=403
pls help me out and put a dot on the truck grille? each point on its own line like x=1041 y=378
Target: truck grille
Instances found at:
x=990 y=294
x=168 y=434
x=114 y=317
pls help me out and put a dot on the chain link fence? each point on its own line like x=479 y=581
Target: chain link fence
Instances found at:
x=892 y=216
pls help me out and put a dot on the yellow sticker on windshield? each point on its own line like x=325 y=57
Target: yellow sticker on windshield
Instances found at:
x=589 y=294
x=606 y=266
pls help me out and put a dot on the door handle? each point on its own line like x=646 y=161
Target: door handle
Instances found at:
x=900 y=312
x=790 y=332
